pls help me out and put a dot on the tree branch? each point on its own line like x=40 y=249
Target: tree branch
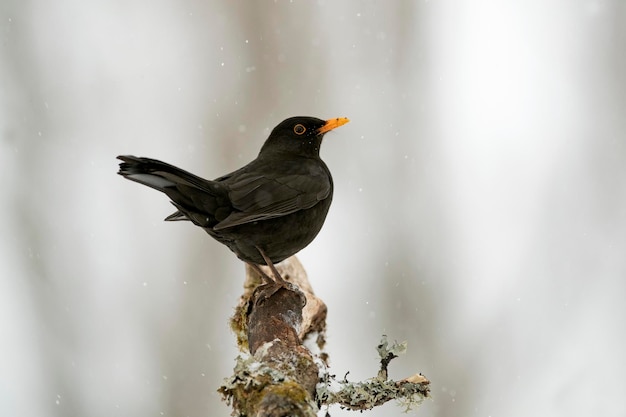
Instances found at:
x=282 y=377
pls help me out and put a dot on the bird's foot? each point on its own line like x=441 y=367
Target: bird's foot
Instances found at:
x=272 y=284
x=267 y=290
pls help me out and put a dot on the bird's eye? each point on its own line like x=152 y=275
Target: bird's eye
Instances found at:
x=299 y=129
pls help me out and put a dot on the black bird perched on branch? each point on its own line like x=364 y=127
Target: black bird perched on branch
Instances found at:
x=264 y=212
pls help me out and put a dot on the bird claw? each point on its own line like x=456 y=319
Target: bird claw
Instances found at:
x=265 y=291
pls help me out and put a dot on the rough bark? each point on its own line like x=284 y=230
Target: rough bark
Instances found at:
x=281 y=376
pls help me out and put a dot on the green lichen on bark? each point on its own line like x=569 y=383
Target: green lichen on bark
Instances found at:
x=256 y=384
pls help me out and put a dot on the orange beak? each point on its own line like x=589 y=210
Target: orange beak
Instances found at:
x=331 y=124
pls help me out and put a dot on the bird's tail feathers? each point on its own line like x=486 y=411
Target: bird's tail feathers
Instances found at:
x=156 y=174
x=195 y=198
x=176 y=216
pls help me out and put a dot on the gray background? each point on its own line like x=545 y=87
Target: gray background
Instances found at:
x=479 y=207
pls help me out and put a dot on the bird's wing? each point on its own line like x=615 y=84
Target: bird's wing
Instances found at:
x=260 y=197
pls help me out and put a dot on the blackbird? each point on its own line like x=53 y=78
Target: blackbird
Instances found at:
x=264 y=212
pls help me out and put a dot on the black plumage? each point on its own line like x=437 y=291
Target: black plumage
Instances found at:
x=265 y=211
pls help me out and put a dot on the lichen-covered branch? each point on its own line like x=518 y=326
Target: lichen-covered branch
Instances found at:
x=411 y=391
x=274 y=382
x=280 y=376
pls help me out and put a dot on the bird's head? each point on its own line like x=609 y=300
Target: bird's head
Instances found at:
x=300 y=135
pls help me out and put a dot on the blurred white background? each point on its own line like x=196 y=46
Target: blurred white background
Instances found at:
x=479 y=210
